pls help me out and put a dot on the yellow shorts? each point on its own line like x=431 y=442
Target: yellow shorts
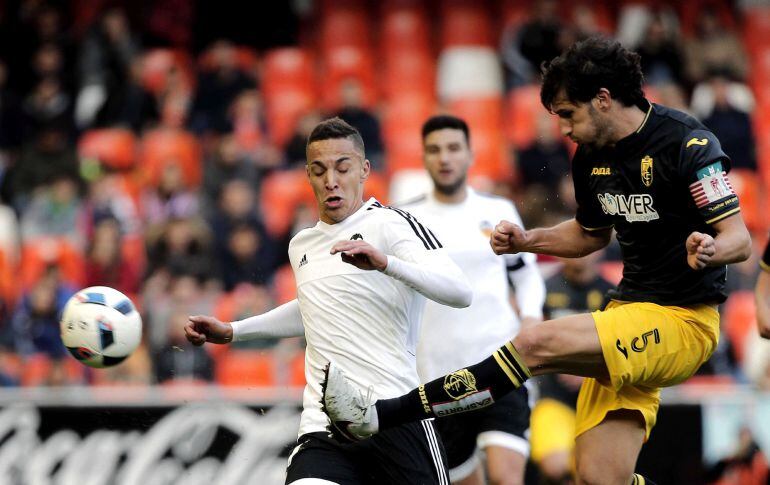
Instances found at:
x=646 y=347
x=552 y=429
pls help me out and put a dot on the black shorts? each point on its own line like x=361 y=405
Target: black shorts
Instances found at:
x=505 y=423
x=408 y=454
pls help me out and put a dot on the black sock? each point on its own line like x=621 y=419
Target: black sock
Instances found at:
x=467 y=389
x=640 y=480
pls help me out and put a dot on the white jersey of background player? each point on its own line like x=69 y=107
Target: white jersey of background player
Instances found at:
x=456 y=338
x=362 y=273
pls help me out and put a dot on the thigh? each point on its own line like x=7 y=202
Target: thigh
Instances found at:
x=408 y=454
x=607 y=453
x=650 y=345
x=317 y=457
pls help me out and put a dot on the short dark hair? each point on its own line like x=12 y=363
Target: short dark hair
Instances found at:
x=336 y=128
x=440 y=122
x=589 y=65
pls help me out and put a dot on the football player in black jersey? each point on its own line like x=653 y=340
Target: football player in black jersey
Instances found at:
x=659 y=178
x=762 y=294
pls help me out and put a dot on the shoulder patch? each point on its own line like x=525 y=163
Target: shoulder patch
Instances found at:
x=697 y=141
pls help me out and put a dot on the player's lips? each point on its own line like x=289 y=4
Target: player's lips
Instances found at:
x=333 y=202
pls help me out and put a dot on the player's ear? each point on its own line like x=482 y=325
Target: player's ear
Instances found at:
x=602 y=100
x=366 y=168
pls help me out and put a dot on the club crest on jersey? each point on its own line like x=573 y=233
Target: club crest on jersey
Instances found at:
x=486 y=228
x=357 y=237
x=647 y=171
x=460 y=384
x=634 y=207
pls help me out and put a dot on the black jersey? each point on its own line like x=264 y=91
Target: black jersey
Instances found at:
x=765 y=262
x=656 y=186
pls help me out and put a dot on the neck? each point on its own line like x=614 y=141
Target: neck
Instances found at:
x=328 y=220
x=627 y=120
x=455 y=197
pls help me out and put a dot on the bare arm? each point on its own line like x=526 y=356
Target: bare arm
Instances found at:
x=732 y=244
x=568 y=239
x=762 y=296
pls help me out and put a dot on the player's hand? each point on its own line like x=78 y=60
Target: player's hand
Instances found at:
x=361 y=254
x=200 y=329
x=700 y=249
x=507 y=238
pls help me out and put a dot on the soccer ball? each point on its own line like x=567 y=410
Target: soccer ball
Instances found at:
x=100 y=326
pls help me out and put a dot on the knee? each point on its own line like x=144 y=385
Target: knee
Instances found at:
x=536 y=344
x=504 y=478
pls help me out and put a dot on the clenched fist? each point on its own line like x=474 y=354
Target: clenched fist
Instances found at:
x=508 y=238
x=700 y=249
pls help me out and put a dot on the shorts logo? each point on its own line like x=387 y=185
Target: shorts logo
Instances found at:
x=647 y=171
x=460 y=384
x=645 y=337
x=634 y=207
x=474 y=401
x=622 y=349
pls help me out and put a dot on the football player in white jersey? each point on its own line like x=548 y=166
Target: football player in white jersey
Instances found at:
x=451 y=338
x=362 y=272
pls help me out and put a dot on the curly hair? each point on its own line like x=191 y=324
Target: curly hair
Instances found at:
x=592 y=64
x=336 y=128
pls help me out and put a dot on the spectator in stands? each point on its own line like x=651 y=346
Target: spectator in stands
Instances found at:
x=294 y=153
x=546 y=160
x=179 y=360
x=354 y=113
x=47 y=105
x=714 y=47
x=106 y=56
x=180 y=243
x=105 y=264
x=129 y=104
x=35 y=324
x=662 y=56
x=171 y=199
x=578 y=288
x=217 y=90
x=731 y=125
x=55 y=211
x=109 y=199
x=226 y=164
x=10 y=113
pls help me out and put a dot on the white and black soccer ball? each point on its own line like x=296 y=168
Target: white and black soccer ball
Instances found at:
x=100 y=326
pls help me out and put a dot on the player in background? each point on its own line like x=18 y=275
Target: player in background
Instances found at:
x=363 y=272
x=647 y=171
x=577 y=288
x=452 y=338
x=762 y=295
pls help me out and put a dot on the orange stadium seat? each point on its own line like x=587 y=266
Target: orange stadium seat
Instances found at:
x=739 y=320
x=522 y=108
x=297 y=370
x=162 y=67
x=465 y=23
x=283 y=109
x=36 y=368
x=162 y=146
x=341 y=64
x=282 y=193
x=515 y=12
x=756 y=28
x=245 y=368
x=344 y=27
x=748 y=188
x=38 y=254
x=404 y=30
x=288 y=67
x=245 y=57
x=9 y=290
x=404 y=116
x=377 y=187
x=113 y=147
x=284 y=285
x=407 y=73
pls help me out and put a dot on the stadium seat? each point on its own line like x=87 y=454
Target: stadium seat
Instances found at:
x=466 y=24
x=8 y=284
x=522 y=109
x=245 y=57
x=245 y=368
x=407 y=74
x=404 y=30
x=756 y=28
x=747 y=186
x=282 y=193
x=690 y=9
x=404 y=116
x=161 y=67
x=284 y=285
x=38 y=254
x=162 y=146
x=344 y=27
x=288 y=67
x=113 y=147
x=297 y=370
x=341 y=64
x=283 y=109
x=36 y=369
x=739 y=320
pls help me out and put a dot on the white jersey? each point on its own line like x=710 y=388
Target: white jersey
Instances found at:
x=453 y=338
x=367 y=322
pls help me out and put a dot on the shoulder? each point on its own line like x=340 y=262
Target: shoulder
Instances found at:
x=302 y=237
x=677 y=124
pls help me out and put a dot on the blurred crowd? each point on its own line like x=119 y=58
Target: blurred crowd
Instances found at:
x=138 y=153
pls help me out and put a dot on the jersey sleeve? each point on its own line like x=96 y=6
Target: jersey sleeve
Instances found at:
x=764 y=263
x=704 y=166
x=590 y=214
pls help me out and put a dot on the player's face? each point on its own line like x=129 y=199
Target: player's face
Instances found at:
x=337 y=171
x=580 y=122
x=447 y=157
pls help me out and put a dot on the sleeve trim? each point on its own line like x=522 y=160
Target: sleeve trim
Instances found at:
x=722 y=216
x=764 y=266
x=594 y=229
